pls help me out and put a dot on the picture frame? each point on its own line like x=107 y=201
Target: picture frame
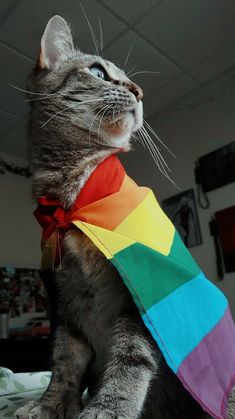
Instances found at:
x=182 y=211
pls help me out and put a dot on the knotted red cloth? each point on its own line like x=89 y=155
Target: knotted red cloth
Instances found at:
x=106 y=179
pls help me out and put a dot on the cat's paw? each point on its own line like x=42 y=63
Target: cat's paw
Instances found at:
x=99 y=413
x=35 y=410
x=231 y=405
x=23 y=412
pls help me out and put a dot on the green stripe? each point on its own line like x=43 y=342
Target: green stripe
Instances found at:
x=181 y=254
x=153 y=276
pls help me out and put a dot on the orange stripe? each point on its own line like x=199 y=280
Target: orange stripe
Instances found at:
x=109 y=212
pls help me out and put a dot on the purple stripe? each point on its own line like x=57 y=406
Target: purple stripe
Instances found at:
x=207 y=372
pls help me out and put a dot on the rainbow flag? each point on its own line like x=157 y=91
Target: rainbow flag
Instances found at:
x=186 y=314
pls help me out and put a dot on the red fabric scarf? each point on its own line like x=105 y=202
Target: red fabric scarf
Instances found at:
x=106 y=179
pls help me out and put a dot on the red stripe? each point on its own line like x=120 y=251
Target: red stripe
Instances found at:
x=106 y=179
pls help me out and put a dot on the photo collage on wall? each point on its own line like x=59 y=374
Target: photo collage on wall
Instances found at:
x=21 y=292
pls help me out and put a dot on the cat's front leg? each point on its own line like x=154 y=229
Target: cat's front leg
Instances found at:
x=131 y=365
x=62 y=399
x=231 y=405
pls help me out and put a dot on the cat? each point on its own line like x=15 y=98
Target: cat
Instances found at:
x=84 y=109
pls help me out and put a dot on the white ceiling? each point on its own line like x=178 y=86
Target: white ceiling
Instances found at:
x=188 y=42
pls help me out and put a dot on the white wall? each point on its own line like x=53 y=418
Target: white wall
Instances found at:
x=19 y=231
x=192 y=129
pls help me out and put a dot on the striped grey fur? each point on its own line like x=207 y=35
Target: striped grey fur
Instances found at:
x=100 y=342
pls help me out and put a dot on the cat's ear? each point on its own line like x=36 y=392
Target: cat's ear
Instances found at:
x=56 y=43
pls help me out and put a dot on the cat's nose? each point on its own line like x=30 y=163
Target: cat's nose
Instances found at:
x=137 y=91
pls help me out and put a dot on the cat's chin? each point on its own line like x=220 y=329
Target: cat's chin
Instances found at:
x=117 y=133
x=138 y=116
x=119 y=142
x=128 y=122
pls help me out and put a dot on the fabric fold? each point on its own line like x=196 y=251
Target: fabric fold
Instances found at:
x=185 y=313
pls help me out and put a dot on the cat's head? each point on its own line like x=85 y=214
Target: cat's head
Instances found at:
x=84 y=91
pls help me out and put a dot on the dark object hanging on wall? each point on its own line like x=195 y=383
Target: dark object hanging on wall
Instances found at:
x=223 y=230
x=16 y=170
x=214 y=170
x=219 y=260
x=182 y=211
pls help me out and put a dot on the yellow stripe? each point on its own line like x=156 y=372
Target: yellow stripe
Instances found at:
x=107 y=241
x=147 y=224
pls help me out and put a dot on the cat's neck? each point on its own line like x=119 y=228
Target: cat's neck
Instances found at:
x=63 y=158
x=65 y=183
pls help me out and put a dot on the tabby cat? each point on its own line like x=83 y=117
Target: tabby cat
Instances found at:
x=84 y=109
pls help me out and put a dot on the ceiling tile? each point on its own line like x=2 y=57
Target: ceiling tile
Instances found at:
x=24 y=28
x=16 y=68
x=189 y=30
x=14 y=142
x=169 y=94
x=14 y=73
x=198 y=35
x=215 y=64
x=12 y=100
x=143 y=57
x=7 y=122
x=130 y=10
x=5 y=7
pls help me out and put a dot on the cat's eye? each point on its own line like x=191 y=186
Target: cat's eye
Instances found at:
x=98 y=71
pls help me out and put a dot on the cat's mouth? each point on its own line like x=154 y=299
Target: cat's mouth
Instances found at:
x=128 y=119
x=119 y=129
x=121 y=123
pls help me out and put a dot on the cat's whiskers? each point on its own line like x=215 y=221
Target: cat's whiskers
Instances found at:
x=99 y=126
x=91 y=30
x=101 y=119
x=94 y=121
x=157 y=137
x=70 y=107
x=143 y=140
x=39 y=98
x=156 y=149
x=129 y=53
x=57 y=113
x=144 y=72
x=49 y=94
x=43 y=95
x=91 y=110
x=152 y=152
x=163 y=167
x=129 y=72
x=114 y=111
x=139 y=140
x=156 y=154
x=32 y=93
x=101 y=36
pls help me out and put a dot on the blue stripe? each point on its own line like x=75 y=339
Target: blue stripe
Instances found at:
x=185 y=317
